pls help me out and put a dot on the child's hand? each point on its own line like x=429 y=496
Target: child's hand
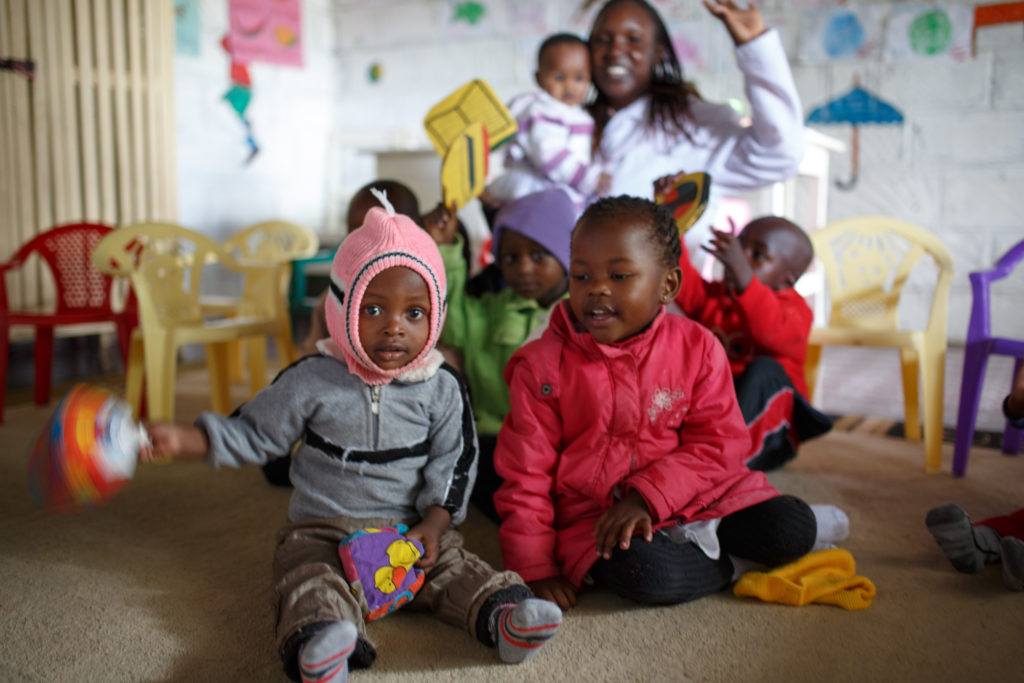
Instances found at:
x=167 y=439
x=557 y=589
x=604 y=183
x=726 y=247
x=617 y=524
x=663 y=184
x=442 y=224
x=428 y=533
x=743 y=24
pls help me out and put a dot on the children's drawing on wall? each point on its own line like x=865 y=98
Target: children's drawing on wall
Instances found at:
x=701 y=50
x=239 y=94
x=186 y=27
x=266 y=31
x=676 y=10
x=929 y=32
x=856 y=108
x=527 y=18
x=466 y=18
x=374 y=72
x=993 y=15
x=840 y=33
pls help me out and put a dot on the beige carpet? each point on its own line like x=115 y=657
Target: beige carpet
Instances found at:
x=169 y=582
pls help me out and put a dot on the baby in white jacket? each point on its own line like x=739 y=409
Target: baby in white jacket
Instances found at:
x=553 y=144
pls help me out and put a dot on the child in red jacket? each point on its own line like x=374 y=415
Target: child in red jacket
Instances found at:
x=763 y=323
x=622 y=458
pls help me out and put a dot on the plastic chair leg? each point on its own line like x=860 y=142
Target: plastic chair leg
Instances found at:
x=256 y=352
x=220 y=382
x=134 y=372
x=1012 y=440
x=975 y=360
x=812 y=365
x=933 y=373
x=44 y=364
x=161 y=362
x=5 y=349
x=236 y=361
x=910 y=367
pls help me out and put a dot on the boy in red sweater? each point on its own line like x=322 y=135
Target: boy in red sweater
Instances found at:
x=763 y=324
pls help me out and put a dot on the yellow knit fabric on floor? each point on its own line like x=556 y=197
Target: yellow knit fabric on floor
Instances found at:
x=823 y=576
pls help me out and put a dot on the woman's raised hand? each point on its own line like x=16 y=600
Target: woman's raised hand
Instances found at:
x=743 y=24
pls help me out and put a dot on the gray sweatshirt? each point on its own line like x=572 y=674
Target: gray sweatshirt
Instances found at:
x=386 y=451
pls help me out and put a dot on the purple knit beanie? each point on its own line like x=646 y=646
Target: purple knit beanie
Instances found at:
x=546 y=217
x=385 y=240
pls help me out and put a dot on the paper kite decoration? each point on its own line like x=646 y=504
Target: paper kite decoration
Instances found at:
x=686 y=199
x=378 y=564
x=86 y=452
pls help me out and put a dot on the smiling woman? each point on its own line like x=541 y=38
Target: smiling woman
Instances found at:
x=649 y=122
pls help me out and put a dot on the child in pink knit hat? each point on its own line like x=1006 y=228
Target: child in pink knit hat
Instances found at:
x=386 y=437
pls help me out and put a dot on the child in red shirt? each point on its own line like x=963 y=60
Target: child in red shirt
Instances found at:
x=763 y=324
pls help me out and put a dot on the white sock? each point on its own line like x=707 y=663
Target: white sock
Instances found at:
x=1012 y=551
x=741 y=565
x=520 y=629
x=324 y=657
x=833 y=526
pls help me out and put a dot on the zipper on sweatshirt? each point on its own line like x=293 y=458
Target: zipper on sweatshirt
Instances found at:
x=375 y=410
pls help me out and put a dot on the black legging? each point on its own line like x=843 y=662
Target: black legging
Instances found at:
x=663 y=572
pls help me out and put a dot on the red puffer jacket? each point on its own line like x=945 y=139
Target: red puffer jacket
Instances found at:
x=591 y=422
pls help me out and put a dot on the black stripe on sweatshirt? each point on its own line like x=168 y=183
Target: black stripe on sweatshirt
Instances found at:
x=373 y=457
x=460 y=489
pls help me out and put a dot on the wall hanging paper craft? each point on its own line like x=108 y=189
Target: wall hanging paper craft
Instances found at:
x=857 y=107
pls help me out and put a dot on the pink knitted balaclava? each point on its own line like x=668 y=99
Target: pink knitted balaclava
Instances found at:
x=385 y=240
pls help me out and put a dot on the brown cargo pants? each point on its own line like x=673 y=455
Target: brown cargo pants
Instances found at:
x=310 y=586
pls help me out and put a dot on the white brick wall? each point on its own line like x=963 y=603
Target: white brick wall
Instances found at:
x=956 y=165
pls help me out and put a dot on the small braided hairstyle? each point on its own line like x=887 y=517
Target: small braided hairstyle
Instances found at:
x=661 y=229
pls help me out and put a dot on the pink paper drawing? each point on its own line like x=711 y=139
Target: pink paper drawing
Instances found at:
x=266 y=31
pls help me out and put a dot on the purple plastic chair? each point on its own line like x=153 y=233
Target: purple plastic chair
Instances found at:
x=980 y=345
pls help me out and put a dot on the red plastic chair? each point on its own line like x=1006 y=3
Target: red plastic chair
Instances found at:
x=83 y=295
x=980 y=345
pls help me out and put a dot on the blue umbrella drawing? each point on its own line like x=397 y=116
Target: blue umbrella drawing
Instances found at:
x=855 y=108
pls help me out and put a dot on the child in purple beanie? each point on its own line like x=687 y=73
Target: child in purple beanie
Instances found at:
x=531 y=248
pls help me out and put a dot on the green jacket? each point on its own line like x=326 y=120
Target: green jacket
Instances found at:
x=487 y=330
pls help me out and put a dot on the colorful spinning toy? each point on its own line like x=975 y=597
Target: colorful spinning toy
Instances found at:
x=686 y=199
x=86 y=452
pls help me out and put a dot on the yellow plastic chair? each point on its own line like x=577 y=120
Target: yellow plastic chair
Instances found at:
x=867 y=261
x=276 y=243
x=165 y=264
